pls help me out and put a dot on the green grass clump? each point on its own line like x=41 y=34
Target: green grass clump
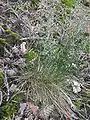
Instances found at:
x=3 y=41
x=69 y=3
x=7 y=110
x=31 y=55
x=1 y=78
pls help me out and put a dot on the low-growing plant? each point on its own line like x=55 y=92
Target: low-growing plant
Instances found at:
x=55 y=58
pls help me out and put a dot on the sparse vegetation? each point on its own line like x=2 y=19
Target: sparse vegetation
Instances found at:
x=45 y=49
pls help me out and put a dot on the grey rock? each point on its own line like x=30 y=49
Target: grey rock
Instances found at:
x=11 y=72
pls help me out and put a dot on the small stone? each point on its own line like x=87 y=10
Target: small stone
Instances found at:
x=23 y=47
x=10 y=72
x=76 y=87
x=22 y=107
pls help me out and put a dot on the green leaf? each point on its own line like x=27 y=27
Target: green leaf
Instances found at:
x=68 y=11
x=7 y=110
x=3 y=41
x=31 y=55
x=69 y=3
x=1 y=78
